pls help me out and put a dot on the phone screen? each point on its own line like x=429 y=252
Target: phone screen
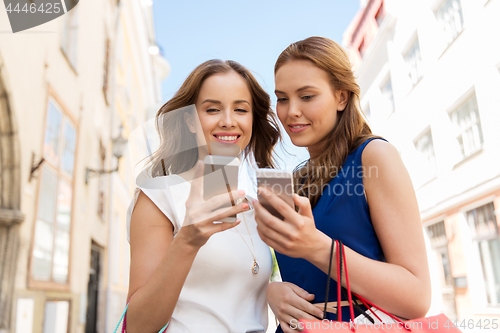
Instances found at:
x=282 y=187
x=221 y=177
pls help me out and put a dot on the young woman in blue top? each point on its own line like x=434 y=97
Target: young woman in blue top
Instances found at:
x=354 y=188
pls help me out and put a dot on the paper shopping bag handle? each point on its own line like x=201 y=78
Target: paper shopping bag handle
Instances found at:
x=342 y=263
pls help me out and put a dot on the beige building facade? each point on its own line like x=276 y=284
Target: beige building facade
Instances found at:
x=66 y=88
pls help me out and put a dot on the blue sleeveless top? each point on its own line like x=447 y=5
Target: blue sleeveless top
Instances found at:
x=341 y=213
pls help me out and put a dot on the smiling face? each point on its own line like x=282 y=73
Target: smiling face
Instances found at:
x=307 y=103
x=224 y=106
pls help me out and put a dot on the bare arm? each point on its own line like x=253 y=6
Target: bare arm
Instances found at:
x=153 y=301
x=159 y=262
x=402 y=284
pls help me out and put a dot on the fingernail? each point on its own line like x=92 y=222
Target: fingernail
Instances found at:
x=241 y=193
x=244 y=206
x=254 y=201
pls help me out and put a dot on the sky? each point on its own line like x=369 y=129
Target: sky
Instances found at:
x=251 y=32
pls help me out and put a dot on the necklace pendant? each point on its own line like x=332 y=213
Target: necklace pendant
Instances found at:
x=255 y=267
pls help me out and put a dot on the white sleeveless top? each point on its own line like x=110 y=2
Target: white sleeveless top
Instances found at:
x=221 y=294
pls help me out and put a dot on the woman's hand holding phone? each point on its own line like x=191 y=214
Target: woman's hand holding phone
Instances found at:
x=296 y=235
x=200 y=215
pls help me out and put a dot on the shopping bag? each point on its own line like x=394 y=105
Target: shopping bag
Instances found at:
x=433 y=324
x=124 y=318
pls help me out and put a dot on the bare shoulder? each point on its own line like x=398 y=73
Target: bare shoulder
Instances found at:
x=146 y=212
x=385 y=172
x=151 y=233
x=148 y=225
x=380 y=152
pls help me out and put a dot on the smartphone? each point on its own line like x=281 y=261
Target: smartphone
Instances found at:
x=221 y=176
x=279 y=182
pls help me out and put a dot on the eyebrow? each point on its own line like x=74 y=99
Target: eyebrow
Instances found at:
x=219 y=102
x=241 y=101
x=298 y=90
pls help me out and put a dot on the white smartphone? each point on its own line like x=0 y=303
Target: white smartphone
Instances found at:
x=279 y=182
x=221 y=176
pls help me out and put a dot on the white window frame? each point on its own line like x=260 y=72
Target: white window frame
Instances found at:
x=69 y=37
x=413 y=59
x=437 y=248
x=56 y=317
x=388 y=92
x=475 y=277
x=478 y=242
x=451 y=25
x=62 y=178
x=429 y=162
x=461 y=131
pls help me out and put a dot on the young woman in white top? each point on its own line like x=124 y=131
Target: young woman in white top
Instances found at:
x=201 y=276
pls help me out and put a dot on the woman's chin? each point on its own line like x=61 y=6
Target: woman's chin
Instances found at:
x=300 y=143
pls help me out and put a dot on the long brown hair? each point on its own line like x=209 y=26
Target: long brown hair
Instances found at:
x=351 y=129
x=179 y=155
